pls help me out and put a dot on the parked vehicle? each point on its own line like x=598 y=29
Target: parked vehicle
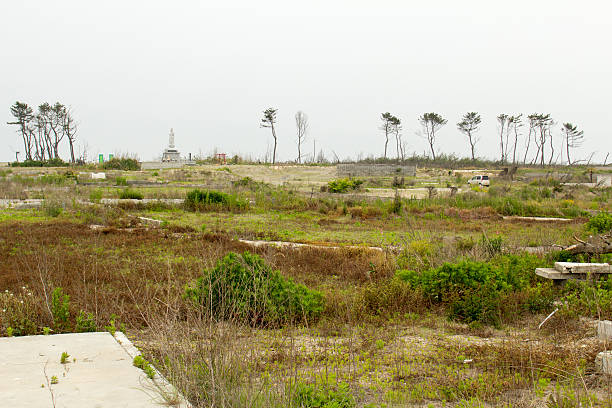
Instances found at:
x=479 y=180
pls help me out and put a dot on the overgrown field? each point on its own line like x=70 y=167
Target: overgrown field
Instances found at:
x=395 y=302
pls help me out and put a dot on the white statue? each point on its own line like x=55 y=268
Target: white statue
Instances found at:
x=171 y=139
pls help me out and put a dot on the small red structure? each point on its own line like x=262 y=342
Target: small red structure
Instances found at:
x=221 y=158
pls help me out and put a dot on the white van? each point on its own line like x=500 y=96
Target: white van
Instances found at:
x=479 y=181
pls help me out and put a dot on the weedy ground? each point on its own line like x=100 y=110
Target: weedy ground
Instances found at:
x=77 y=265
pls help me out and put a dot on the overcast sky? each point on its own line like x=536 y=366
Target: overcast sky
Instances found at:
x=131 y=70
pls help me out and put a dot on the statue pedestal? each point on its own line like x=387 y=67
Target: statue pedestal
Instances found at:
x=171 y=155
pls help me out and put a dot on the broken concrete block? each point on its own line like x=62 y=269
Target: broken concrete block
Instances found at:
x=603 y=362
x=604 y=330
x=98 y=176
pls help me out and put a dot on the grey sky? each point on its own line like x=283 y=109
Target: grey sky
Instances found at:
x=131 y=70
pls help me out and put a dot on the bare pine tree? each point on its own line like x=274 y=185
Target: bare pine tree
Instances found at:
x=515 y=123
x=70 y=130
x=24 y=115
x=396 y=128
x=268 y=121
x=431 y=123
x=301 y=123
x=387 y=128
x=469 y=126
x=573 y=138
x=502 y=121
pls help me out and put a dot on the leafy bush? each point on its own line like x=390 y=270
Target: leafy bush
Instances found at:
x=244 y=287
x=37 y=163
x=121 y=181
x=600 y=223
x=60 y=308
x=344 y=185
x=123 y=163
x=593 y=299
x=52 y=208
x=480 y=291
x=85 y=323
x=309 y=396
x=202 y=199
x=130 y=194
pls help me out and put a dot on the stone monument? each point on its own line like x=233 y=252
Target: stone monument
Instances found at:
x=171 y=154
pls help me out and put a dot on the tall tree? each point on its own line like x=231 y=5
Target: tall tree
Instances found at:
x=396 y=128
x=503 y=120
x=56 y=122
x=301 y=123
x=69 y=127
x=542 y=123
x=515 y=122
x=268 y=121
x=23 y=115
x=469 y=125
x=431 y=123
x=387 y=128
x=573 y=138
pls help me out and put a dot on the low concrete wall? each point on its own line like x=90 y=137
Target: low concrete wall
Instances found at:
x=356 y=170
x=166 y=165
x=604 y=180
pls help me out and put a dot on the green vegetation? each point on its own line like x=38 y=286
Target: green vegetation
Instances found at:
x=64 y=358
x=600 y=223
x=85 y=322
x=436 y=314
x=37 y=163
x=202 y=200
x=121 y=163
x=60 y=308
x=344 y=185
x=308 y=396
x=144 y=365
x=243 y=287
x=129 y=194
x=482 y=291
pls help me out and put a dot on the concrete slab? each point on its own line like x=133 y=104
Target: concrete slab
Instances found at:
x=604 y=330
x=99 y=373
x=603 y=362
x=550 y=273
x=582 y=267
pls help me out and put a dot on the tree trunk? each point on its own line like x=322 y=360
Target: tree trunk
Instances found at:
x=274 y=136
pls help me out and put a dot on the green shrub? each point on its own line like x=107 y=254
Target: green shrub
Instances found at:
x=85 y=323
x=203 y=199
x=121 y=164
x=482 y=291
x=121 y=181
x=60 y=308
x=344 y=185
x=37 y=163
x=245 y=288
x=128 y=194
x=309 y=396
x=52 y=208
x=600 y=223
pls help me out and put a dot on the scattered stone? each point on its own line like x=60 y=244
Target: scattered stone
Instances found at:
x=150 y=221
